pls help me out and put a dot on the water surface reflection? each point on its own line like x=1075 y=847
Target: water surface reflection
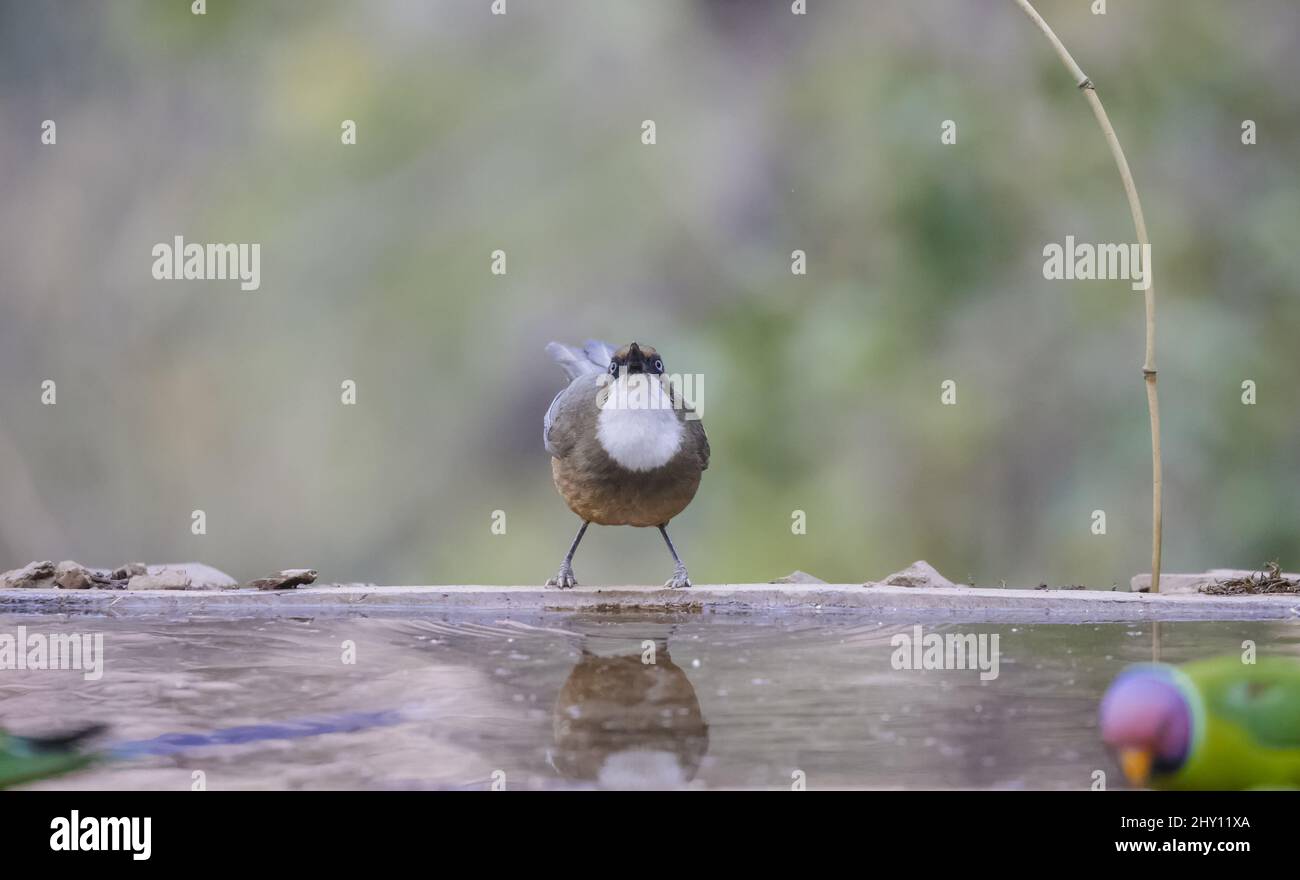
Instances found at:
x=562 y=700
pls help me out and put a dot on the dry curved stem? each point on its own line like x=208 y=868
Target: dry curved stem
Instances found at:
x=1135 y=207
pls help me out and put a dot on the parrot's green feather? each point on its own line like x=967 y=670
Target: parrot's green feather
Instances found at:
x=27 y=760
x=1262 y=698
x=1246 y=725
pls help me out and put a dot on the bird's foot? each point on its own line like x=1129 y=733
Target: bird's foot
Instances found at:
x=563 y=579
x=680 y=578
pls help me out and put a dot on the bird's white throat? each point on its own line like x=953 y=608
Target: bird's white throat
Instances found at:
x=638 y=426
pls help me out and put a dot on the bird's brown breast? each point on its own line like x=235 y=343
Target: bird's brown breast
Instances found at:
x=608 y=495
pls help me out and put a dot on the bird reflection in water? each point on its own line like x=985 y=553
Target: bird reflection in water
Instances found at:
x=628 y=717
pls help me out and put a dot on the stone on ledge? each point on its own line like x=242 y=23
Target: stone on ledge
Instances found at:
x=165 y=580
x=918 y=574
x=285 y=580
x=73 y=576
x=128 y=571
x=798 y=577
x=200 y=576
x=33 y=574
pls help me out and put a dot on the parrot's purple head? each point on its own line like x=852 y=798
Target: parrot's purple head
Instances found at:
x=1146 y=721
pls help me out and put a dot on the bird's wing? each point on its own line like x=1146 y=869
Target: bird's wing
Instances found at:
x=694 y=425
x=592 y=358
x=559 y=434
x=547 y=421
x=1262 y=698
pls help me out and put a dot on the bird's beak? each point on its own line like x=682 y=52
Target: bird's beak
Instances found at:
x=1136 y=764
x=635 y=359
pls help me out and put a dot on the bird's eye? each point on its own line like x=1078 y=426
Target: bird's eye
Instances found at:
x=659 y=365
x=613 y=368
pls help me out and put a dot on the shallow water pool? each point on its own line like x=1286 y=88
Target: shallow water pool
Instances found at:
x=561 y=700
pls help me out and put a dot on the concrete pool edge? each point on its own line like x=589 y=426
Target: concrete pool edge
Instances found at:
x=970 y=604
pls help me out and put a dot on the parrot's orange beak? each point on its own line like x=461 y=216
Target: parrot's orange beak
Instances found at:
x=1136 y=764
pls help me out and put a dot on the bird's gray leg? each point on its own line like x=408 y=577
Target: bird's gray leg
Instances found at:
x=680 y=577
x=564 y=578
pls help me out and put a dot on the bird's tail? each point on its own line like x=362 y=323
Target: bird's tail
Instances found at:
x=593 y=357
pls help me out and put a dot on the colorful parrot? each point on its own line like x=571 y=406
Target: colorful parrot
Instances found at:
x=28 y=758
x=1211 y=724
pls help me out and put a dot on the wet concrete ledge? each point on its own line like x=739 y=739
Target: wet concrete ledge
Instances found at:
x=878 y=601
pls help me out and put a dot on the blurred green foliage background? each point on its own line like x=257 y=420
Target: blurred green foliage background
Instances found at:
x=522 y=132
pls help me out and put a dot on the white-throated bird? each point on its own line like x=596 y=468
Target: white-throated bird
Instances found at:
x=625 y=448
